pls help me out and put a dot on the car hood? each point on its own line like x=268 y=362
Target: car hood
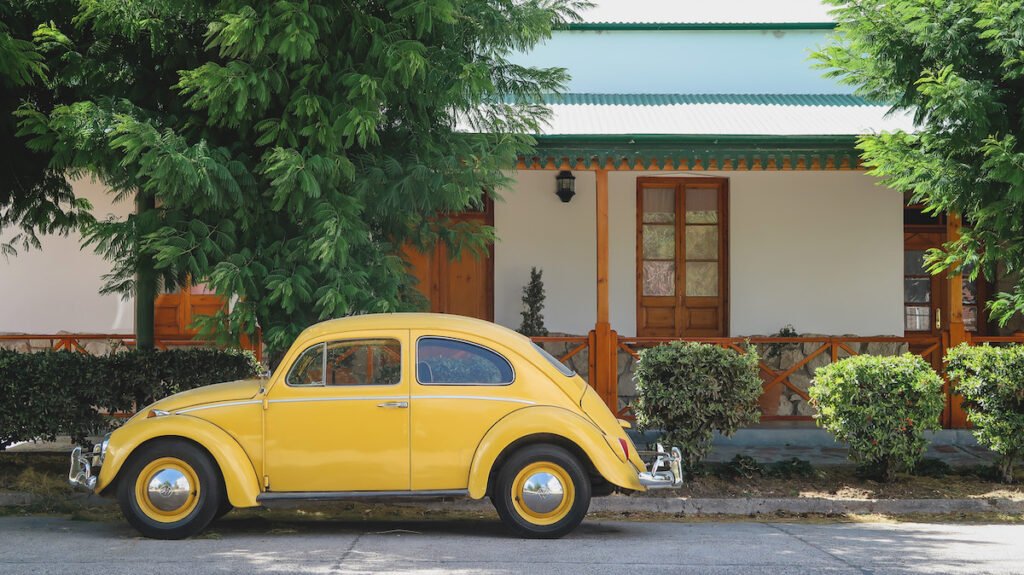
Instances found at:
x=230 y=391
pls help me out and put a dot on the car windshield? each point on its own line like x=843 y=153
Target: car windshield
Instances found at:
x=561 y=367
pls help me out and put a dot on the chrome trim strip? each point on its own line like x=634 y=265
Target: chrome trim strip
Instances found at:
x=357 y=398
x=332 y=495
x=478 y=397
x=215 y=405
x=394 y=398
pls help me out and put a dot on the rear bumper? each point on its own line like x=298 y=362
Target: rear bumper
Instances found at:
x=666 y=470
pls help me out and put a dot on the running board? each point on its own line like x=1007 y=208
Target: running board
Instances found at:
x=272 y=497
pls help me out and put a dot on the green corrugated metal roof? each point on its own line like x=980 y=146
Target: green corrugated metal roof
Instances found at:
x=586 y=99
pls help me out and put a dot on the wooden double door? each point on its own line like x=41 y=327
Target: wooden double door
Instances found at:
x=682 y=257
x=459 y=286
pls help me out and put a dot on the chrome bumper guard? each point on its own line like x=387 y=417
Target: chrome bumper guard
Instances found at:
x=666 y=470
x=80 y=476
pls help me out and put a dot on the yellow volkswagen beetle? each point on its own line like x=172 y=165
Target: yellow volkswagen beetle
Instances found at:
x=391 y=405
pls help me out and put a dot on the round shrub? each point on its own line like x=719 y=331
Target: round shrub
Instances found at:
x=881 y=407
x=690 y=390
x=991 y=381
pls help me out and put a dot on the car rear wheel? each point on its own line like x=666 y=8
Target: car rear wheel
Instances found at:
x=170 y=489
x=542 y=492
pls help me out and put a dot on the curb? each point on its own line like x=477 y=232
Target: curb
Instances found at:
x=684 y=506
x=747 y=507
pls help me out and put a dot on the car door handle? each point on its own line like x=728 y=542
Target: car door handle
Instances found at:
x=394 y=404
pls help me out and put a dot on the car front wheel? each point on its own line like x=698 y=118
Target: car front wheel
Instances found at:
x=170 y=489
x=542 y=492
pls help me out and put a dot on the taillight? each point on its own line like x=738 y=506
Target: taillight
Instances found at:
x=625 y=446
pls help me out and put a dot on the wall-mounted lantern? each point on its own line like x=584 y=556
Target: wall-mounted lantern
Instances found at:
x=566 y=188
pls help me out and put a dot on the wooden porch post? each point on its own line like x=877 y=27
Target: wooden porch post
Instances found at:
x=956 y=417
x=605 y=376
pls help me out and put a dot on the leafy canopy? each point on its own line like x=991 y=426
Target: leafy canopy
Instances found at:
x=34 y=198
x=293 y=147
x=958 y=65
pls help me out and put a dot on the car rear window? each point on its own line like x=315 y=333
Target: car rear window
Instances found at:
x=561 y=367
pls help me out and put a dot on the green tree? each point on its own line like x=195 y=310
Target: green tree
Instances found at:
x=958 y=66
x=34 y=198
x=288 y=149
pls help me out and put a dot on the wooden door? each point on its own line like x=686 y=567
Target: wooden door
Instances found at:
x=463 y=285
x=682 y=263
x=926 y=297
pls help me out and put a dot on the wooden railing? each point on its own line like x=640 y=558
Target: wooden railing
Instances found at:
x=78 y=341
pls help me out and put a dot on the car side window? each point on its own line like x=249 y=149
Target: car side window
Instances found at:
x=349 y=362
x=443 y=361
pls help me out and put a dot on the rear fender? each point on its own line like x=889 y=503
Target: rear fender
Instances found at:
x=240 y=478
x=547 y=420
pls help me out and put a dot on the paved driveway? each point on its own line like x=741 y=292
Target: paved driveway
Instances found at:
x=49 y=545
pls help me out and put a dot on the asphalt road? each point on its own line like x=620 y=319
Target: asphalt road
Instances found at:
x=50 y=545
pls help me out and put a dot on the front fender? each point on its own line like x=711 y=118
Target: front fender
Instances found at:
x=547 y=420
x=240 y=478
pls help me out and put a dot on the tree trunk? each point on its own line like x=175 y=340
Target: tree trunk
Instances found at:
x=1006 y=467
x=145 y=286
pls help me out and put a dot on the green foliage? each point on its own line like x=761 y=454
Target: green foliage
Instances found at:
x=293 y=147
x=533 y=303
x=690 y=390
x=58 y=392
x=881 y=407
x=957 y=66
x=991 y=381
x=34 y=197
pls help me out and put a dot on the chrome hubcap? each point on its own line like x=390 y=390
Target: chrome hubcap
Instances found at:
x=543 y=493
x=169 y=490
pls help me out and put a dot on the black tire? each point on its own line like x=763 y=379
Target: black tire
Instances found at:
x=205 y=500
x=224 y=509
x=517 y=515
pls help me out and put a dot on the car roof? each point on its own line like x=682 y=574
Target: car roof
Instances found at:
x=423 y=321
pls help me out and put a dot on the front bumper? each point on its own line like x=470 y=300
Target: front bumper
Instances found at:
x=666 y=470
x=83 y=466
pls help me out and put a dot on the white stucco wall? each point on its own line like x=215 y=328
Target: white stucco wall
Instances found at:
x=822 y=251
x=56 y=288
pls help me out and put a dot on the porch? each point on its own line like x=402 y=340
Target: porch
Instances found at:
x=862 y=278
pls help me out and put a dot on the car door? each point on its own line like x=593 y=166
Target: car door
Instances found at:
x=338 y=419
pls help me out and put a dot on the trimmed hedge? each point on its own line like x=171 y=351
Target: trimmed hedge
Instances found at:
x=991 y=381
x=51 y=393
x=880 y=406
x=690 y=390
